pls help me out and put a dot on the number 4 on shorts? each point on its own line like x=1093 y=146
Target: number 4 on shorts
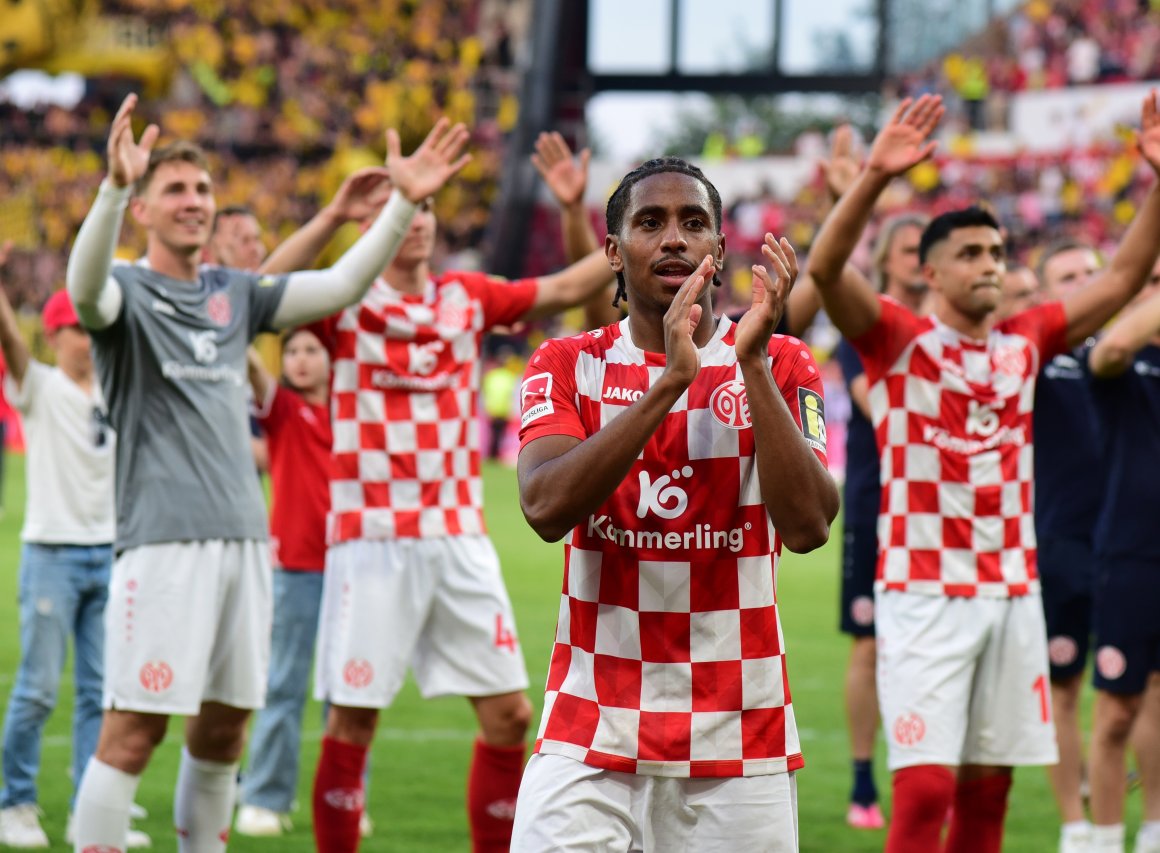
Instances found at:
x=505 y=638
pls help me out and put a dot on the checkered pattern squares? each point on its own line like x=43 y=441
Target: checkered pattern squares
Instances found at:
x=406 y=382
x=669 y=657
x=953 y=421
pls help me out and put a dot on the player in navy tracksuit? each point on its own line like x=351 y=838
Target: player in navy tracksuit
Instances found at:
x=1125 y=368
x=1068 y=488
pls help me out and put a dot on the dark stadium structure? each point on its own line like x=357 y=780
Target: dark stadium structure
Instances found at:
x=560 y=77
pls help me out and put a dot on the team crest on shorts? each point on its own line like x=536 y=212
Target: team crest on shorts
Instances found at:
x=1110 y=662
x=156 y=676
x=1062 y=650
x=730 y=405
x=909 y=729
x=862 y=610
x=358 y=673
x=218 y=309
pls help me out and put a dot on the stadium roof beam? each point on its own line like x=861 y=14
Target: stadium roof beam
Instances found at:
x=739 y=84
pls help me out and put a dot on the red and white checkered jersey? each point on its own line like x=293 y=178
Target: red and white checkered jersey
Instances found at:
x=668 y=657
x=952 y=417
x=405 y=406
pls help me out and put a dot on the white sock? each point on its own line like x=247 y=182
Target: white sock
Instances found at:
x=1148 y=838
x=102 y=807
x=203 y=804
x=1108 y=839
x=1075 y=827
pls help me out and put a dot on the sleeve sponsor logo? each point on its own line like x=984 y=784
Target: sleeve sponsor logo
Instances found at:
x=536 y=398
x=812 y=411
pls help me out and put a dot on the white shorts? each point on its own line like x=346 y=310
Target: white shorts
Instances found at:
x=565 y=805
x=964 y=680
x=437 y=605
x=186 y=623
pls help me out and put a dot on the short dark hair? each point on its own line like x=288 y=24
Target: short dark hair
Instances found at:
x=941 y=227
x=230 y=210
x=175 y=152
x=1058 y=247
x=618 y=202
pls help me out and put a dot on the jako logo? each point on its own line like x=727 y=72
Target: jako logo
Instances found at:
x=622 y=395
x=660 y=498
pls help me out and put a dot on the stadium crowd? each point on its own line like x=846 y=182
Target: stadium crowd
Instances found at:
x=290 y=115
x=1041 y=45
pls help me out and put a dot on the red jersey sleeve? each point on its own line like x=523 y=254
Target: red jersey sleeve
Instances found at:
x=797 y=377
x=881 y=345
x=1044 y=325
x=548 y=404
x=279 y=407
x=503 y=301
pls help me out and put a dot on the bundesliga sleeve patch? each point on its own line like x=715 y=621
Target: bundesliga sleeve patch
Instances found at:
x=536 y=398
x=812 y=411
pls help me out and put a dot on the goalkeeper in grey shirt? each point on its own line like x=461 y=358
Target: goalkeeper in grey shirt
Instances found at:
x=189 y=611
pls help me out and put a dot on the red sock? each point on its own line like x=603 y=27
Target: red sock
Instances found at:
x=980 y=806
x=922 y=796
x=492 y=786
x=338 y=796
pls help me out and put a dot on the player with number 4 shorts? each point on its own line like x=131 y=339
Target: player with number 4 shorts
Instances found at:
x=412 y=580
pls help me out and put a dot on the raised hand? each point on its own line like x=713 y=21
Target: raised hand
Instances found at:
x=770 y=293
x=682 y=361
x=1148 y=138
x=361 y=195
x=566 y=178
x=842 y=168
x=431 y=165
x=128 y=158
x=903 y=142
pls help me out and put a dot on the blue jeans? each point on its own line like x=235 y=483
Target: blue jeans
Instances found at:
x=271 y=780
x=63 y=589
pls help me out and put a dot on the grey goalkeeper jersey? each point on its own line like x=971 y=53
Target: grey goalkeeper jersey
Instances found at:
x=173 y=370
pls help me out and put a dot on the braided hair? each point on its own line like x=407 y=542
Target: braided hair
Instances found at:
x=618 y=203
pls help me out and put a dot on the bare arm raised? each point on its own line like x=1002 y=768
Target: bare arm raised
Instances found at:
x=1089 y=308
x=567 y=178
x=1117 y=348
x=900 y=145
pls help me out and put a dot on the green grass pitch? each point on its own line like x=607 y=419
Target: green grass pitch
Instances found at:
x=420 y=758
